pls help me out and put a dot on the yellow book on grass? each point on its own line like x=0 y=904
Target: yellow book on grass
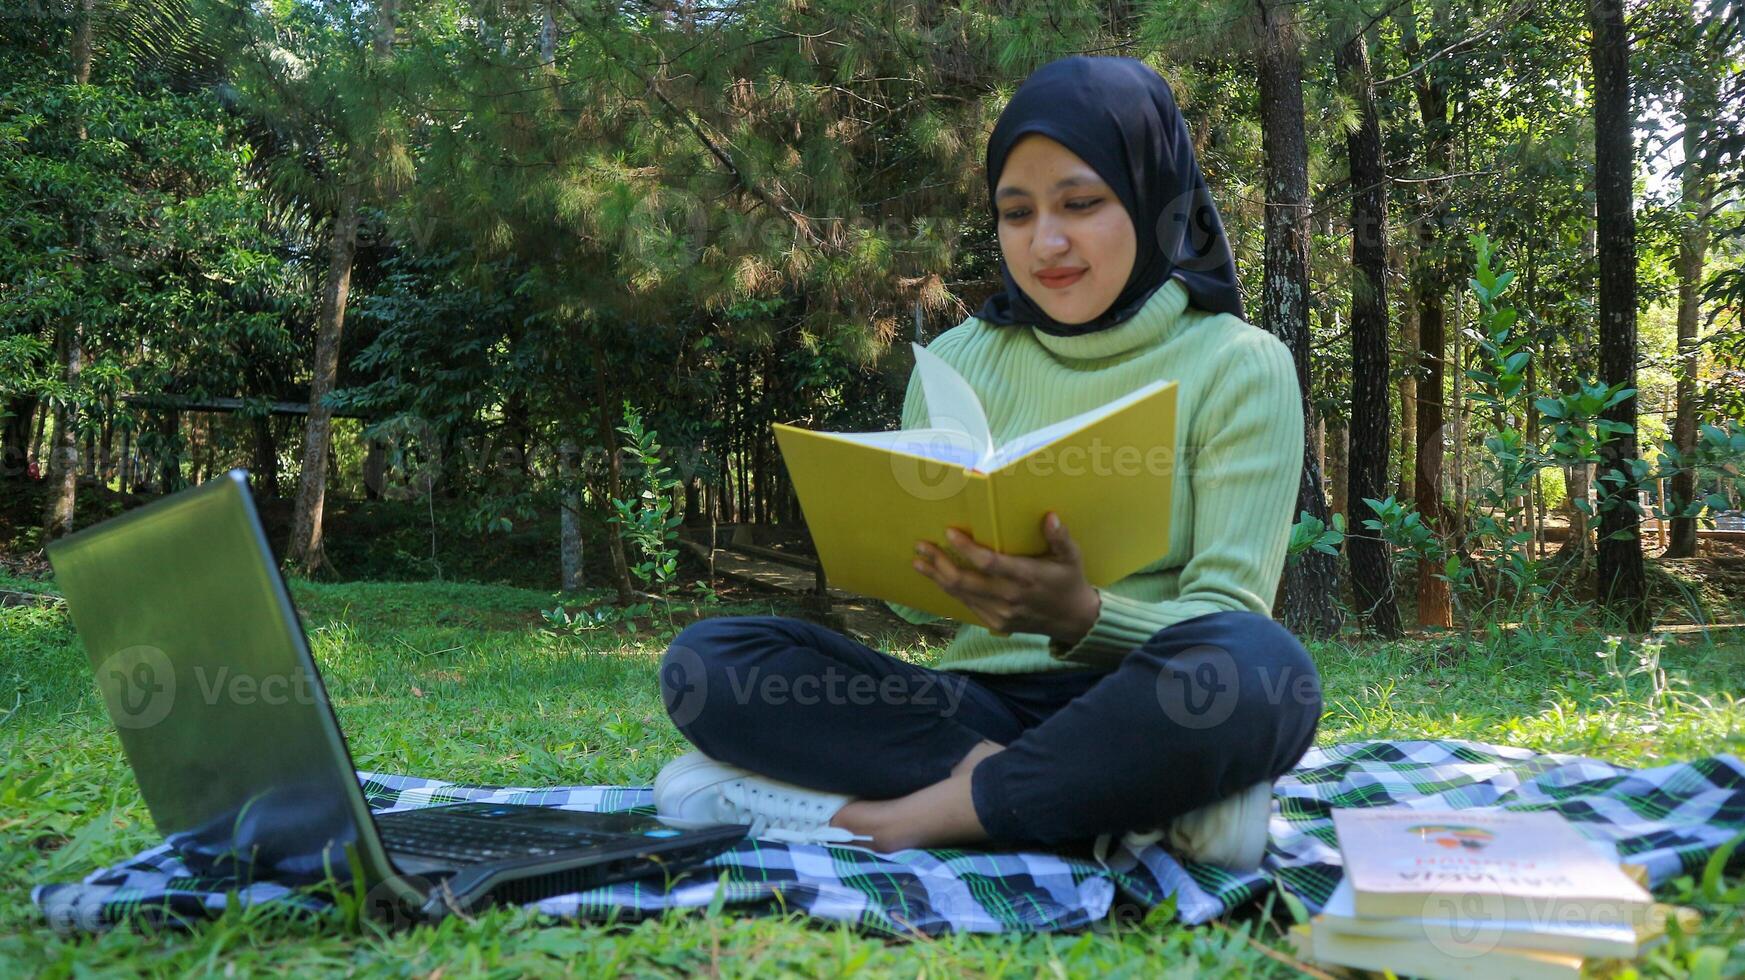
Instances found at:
x=1417 y=958
x=869 y=496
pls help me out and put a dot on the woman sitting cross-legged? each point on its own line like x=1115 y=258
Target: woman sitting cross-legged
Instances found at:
x=1163 y=705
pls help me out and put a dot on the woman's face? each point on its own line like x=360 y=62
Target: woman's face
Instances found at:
x=1066 y=237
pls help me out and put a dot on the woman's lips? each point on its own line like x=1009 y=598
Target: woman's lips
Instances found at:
x=1060 y=280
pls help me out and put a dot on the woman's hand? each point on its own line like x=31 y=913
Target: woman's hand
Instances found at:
x=1015 y=594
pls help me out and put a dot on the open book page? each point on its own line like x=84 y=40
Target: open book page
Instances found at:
x=958 y=432
x=1021 y=446
x=952 y=404
x=945 y=445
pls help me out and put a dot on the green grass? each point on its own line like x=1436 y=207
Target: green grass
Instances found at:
x=460 y=681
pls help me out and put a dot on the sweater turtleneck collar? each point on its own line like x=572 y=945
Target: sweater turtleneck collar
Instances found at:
x=1153 y=324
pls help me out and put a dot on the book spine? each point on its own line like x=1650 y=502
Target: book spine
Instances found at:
x=994 y=537
x=978 y=500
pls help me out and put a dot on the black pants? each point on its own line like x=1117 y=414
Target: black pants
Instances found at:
x=1201 y=710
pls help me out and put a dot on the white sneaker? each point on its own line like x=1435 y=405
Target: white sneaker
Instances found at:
x=1230 y=833
x=696 y=791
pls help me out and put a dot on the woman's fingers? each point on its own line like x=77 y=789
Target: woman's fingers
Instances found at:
x=1007 y=592
x=964 y=583
x=979 y=556
x=1059 y=541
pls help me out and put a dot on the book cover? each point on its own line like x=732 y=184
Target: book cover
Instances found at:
x=869 y=496
x=1492 y=864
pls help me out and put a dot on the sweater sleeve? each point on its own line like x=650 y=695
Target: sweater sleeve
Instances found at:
x=914 y=417
x=1244 y=458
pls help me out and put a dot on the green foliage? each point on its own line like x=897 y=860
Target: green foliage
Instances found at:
x=646 y=521
x=1715 y=461
x=1491 y=568
x=1511 y=457
x=735 y=215
x=1310 y=533
x=128 y=218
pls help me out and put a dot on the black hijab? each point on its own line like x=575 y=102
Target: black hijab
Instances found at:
x=1120 y=117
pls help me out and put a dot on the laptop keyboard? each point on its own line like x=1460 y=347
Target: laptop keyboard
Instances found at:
x=458 y=838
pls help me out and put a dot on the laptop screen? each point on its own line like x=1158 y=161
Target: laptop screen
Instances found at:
x=207 y=676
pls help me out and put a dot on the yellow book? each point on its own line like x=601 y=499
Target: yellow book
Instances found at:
x=868 y=497
x=1408 y=957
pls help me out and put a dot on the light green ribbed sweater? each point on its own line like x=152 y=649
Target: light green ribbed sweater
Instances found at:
x=1239 y=441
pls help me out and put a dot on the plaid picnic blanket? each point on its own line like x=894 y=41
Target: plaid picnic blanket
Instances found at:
x=1669 y=819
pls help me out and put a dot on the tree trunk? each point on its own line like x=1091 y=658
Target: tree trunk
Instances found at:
x=1434 y=608
x=570 y=519
x=124 y=475
x=375 y=469
x=730 y=445
x=266 y=457
x=1336 y=450
x=43 y=412
x=1408 y=386
x=63 y=466
x=104 y=463
x=1372 y=578
x=1530 y=437
x=207 y=452
x=170 y=464
x=1620 y=585
x=1311 y=582
x=1431 y=279
x=1579 y=480
x=1459 y=520
x=82 y=49
x=15 y=438
x=1697 y=194
x=306 y=550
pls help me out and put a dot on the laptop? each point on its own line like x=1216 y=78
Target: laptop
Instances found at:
x=207 y=675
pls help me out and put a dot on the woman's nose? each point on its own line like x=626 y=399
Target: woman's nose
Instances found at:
x=1050 y=237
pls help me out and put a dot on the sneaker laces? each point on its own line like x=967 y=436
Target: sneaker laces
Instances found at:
x=785 y=816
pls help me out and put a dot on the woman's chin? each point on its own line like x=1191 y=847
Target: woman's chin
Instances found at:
x=1070 y=316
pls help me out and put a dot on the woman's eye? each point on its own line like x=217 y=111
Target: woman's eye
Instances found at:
x=1084 y=203
x=1014 y=215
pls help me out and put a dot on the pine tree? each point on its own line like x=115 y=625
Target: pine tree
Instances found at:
x=1621 y=584
x=1311 y=581
x=1372 y=574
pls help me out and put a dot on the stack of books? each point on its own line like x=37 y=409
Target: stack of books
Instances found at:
x=1480 y=894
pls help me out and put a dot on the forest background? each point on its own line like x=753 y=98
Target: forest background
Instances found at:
x=514 y=290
